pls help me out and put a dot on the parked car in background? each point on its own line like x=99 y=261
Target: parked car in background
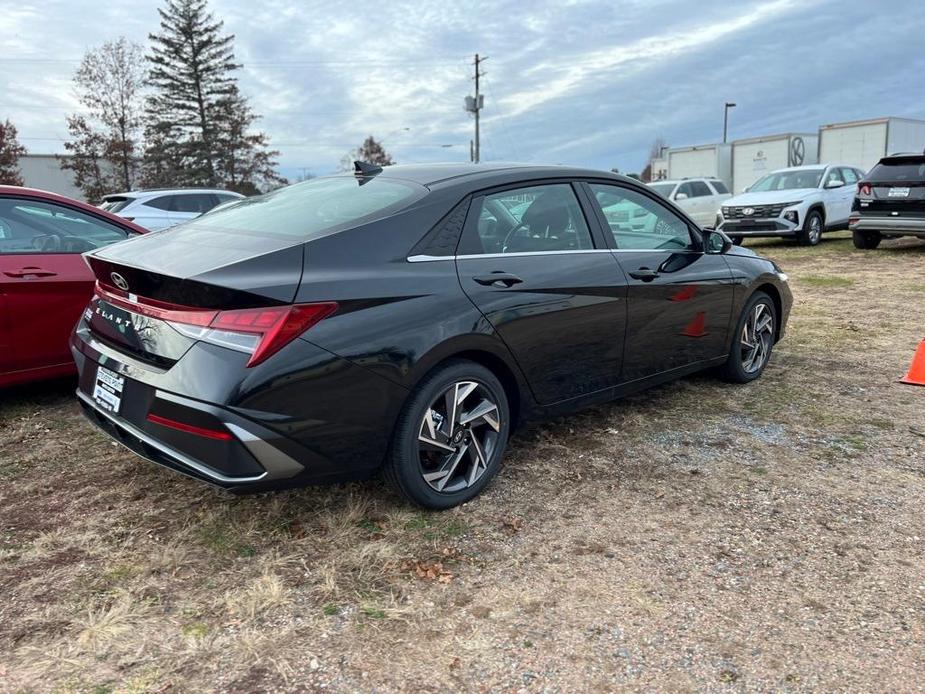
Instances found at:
x=44 y=281
x=403 y=319
x=800 y=202
x=890 y=201
x=699 y=197
x=160 y=209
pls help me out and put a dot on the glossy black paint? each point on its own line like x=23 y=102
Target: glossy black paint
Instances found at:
x=577 y=328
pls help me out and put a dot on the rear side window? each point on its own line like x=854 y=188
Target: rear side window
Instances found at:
x=193 y=202
x=313 y=208
x=30 y=226
x=115 y=204
x=162 y=203
x=720 y=187
x=900 y=170
x=543 y=218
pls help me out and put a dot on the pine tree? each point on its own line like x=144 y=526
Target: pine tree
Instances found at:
x=10 y=152
x=245 y=164
x=192 y=73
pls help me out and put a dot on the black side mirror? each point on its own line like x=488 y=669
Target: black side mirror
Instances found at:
x=715 y=242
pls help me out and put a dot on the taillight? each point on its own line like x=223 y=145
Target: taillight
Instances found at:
x=864 y=189
x=260 y=332
x=271 y=328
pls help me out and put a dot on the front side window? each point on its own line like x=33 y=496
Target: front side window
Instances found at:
x=720 y=187
x=848 y=176
x=638 y=222
x=538 y=218
x=663 y=189
x=834 y=175
x=700 y=189
x=28 y=226
x=686 y=190
x=314 y=208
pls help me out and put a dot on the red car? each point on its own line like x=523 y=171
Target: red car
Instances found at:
x=44 y=281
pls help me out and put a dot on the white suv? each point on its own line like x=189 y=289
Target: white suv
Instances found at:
x=799 y=202
x=699 y=197
x=160 y=209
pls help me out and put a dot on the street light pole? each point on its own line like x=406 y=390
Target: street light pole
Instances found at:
x=729 y=105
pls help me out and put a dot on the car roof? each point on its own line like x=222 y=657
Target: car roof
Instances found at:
x=169 y=191
x=684 y=180
x=35 y=193
x=467 y=177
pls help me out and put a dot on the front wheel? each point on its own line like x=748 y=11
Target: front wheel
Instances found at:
x=450 y=437
x=811 y=233
x=752 y=341
x=866 y=240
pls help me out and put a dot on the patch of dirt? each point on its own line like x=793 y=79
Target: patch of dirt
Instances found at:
x=696 y=536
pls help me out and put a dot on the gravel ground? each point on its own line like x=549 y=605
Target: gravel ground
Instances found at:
x=697 y=536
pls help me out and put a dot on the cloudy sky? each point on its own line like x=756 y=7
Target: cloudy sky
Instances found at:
x=585 y=82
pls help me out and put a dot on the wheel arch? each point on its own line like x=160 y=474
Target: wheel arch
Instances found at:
x=775 y=295
x=483 y=351
x=817 y=207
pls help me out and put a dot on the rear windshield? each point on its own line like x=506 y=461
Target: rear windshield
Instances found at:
x=311 y=209
x=115 y=204
x=898 y=171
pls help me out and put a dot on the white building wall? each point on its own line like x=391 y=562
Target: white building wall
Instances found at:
x=43 y=171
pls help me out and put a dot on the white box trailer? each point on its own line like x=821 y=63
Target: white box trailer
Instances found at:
x=754 y=157
x=861 y=143
x=709 y=161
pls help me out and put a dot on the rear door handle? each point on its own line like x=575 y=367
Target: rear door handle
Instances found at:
x=498 y=279
x=30 y=272
x=644 y=274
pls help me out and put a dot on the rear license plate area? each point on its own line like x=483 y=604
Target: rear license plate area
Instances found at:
x=107 y=389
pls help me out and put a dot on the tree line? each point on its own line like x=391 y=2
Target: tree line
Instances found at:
x=169 y=116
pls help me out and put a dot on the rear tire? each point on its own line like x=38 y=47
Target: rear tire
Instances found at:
x=752 y=341
x=866 y=240
x=444 y=455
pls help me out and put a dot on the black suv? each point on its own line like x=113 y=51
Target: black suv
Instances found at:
x=890 y=201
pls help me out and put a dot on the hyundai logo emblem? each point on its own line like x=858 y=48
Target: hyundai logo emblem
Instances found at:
x=748 y=212
x=119 y=281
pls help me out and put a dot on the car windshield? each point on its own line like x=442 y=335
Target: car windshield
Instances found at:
x=787 y=180
x=663 y=189
x=311 y=209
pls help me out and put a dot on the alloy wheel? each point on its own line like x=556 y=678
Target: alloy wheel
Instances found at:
x=815 y=229
x=757 y=338
x=457 y=437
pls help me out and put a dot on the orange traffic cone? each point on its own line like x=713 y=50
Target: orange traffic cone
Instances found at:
x=696 y=327
x=916 y=375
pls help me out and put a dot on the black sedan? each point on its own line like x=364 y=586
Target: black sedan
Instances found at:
x=404 y=319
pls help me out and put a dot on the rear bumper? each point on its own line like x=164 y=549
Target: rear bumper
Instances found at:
x=903 y=226
x=303 y=417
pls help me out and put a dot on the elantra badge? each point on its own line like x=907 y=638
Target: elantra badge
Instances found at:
x=119 y=281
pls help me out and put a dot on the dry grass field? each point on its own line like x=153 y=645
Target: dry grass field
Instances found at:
x=698 y=536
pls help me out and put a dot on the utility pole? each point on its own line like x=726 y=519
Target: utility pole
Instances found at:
x=474 y=105
x=729 y=105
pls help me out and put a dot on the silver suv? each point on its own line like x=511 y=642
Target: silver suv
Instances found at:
x=160 y=209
